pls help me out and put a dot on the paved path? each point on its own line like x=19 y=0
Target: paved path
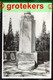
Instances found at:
x=11 y=70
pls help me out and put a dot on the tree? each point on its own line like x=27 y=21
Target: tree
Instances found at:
x=43 y=43
x=4 y=42
x=10 y=37
x=43 y=29
x=16 y=41
x=36 y=43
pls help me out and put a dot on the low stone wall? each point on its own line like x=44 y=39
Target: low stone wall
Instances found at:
x=9 y=55
x=42 y=56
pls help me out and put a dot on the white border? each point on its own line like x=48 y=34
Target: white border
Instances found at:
x=37 y=77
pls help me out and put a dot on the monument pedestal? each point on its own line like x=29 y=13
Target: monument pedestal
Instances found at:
x=27 y=61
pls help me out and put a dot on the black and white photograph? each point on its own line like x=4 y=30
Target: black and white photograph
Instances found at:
x=26 y=44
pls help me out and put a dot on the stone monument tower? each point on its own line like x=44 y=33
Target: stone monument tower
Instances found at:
x=27 y=54
x=27 y=33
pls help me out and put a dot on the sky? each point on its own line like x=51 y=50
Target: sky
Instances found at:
x=39 y=17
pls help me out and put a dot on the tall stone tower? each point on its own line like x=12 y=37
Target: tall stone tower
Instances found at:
x=27 y=33
x=27 y=56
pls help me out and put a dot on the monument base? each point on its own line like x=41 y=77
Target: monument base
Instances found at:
x=27 y=61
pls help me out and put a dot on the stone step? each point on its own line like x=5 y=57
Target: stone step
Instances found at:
x=26 y=56
x=25 y=65
x=26 y=62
